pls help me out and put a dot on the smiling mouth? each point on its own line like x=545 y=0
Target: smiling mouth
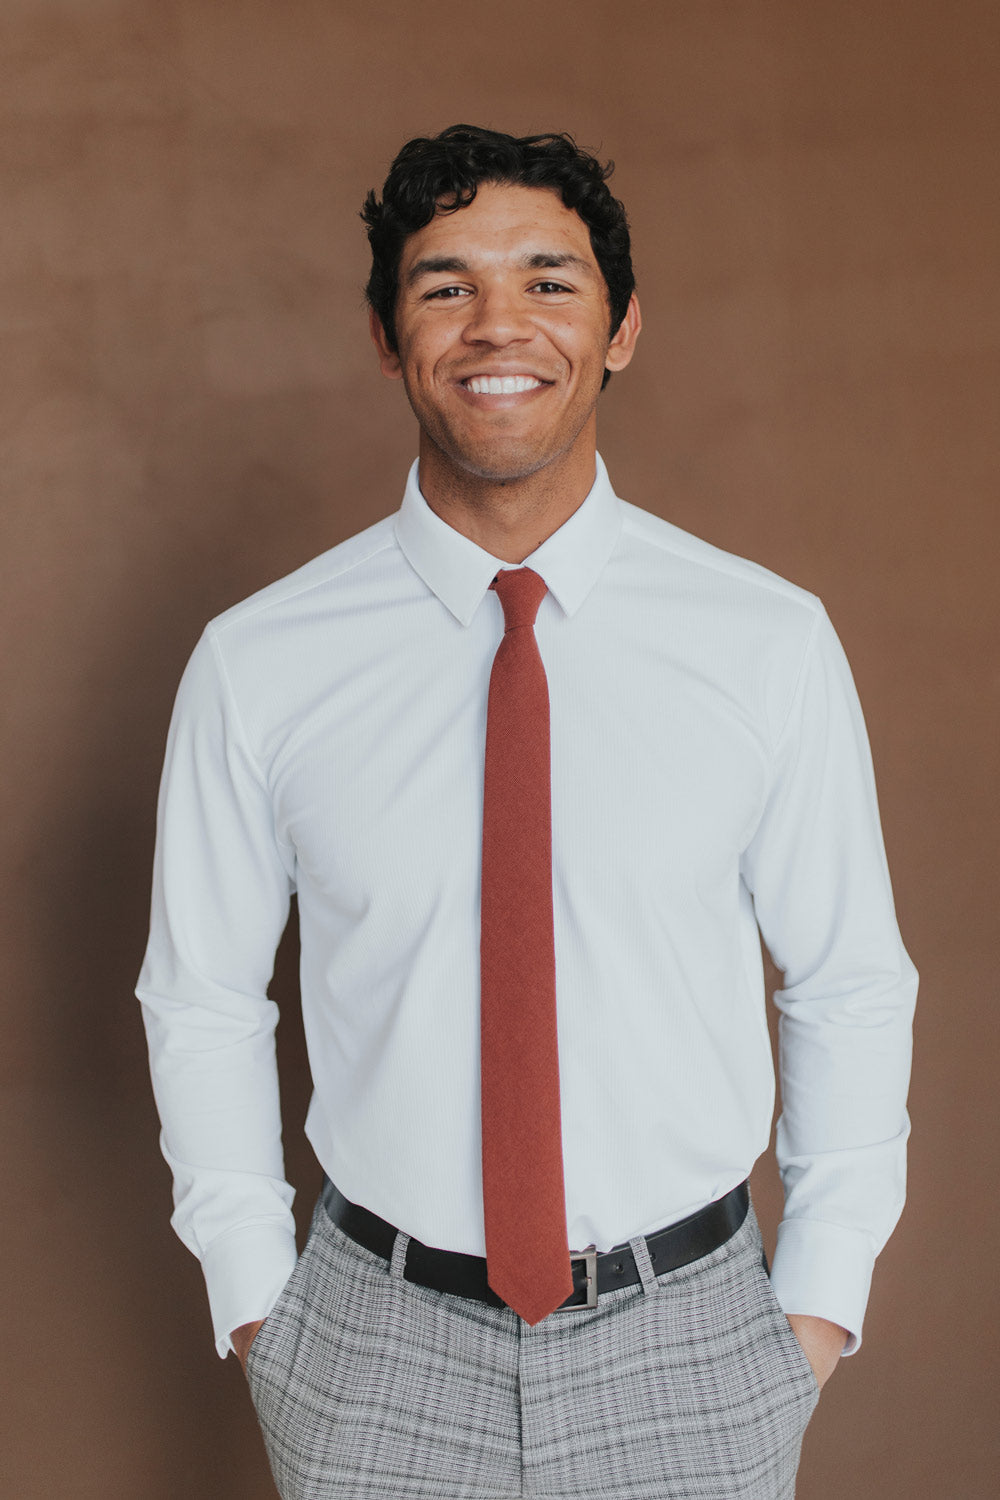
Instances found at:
x=501 y=385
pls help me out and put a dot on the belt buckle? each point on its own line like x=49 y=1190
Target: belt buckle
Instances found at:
x=589 y=1258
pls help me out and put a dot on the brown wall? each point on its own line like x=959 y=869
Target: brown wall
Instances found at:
x=188 y=408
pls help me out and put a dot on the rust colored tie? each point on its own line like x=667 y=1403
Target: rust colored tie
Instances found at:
x=524 y=1200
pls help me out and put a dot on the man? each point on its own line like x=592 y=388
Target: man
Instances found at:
x=530 y=867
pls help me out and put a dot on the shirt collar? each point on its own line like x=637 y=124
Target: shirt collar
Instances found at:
x=459 y=572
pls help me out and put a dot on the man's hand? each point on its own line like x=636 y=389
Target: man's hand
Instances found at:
x=244 y=1336
x=822 y=1342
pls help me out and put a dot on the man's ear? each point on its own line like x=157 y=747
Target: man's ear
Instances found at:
x=388 y=359
x=622 y=345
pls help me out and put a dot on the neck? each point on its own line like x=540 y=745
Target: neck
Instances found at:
x=511 y=517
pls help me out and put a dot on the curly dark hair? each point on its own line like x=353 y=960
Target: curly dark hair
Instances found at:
x=441 y=173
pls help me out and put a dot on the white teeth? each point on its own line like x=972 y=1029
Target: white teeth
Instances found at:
x=501 y=385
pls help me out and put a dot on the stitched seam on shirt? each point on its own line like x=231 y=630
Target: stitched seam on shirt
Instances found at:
x=753 y=824
x=862 y=1234
x=744 y=569
x=796 y=694
x=258 y=1221
x=239 y=725
x=243 y=611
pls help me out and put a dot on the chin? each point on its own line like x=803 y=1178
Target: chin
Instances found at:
x=503 y=473
x=502 y=463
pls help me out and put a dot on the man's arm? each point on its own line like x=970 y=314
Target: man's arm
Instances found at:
x=817 y=871
x=221 y=890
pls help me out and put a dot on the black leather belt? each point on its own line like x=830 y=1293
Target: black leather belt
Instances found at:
x=593 y=1273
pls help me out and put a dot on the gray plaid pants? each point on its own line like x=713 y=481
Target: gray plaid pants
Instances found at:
x=691 y=1386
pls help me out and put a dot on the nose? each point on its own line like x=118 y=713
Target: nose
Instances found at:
x=498 y=316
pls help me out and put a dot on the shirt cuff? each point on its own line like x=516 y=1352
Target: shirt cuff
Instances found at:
x=245 y=1272
x=824 y=1271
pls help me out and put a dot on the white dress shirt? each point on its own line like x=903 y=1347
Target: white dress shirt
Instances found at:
x=710 y=772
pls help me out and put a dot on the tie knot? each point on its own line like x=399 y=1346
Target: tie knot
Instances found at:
x=520 y=591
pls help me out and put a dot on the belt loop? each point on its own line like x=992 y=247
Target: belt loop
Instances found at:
x=643 y=1264
x=397 y=1263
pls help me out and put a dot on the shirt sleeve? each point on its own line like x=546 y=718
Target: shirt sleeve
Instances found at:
x=221 y=890
x=817 y=870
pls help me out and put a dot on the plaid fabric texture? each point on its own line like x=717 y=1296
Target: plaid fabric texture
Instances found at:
x=689 y=1387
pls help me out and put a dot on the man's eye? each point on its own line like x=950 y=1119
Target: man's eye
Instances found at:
x=445 y=293
x=550 y=286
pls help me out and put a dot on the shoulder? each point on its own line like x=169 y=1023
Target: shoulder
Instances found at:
x=337 y=567
x=667 y=549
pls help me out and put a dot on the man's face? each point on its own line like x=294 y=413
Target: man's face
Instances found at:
x=502 y=326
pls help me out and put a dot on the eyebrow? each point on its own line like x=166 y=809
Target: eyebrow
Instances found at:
x=539 y=260
x=431 y=265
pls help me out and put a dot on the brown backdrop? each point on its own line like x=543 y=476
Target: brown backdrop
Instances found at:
x=189 y=408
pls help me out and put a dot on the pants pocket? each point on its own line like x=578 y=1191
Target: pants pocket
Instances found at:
x=270 y=1331
x=785 y=1335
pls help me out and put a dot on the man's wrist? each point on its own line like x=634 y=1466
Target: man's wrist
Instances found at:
x=242 y=1338
x=822 y=1343
x=824 y=1269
